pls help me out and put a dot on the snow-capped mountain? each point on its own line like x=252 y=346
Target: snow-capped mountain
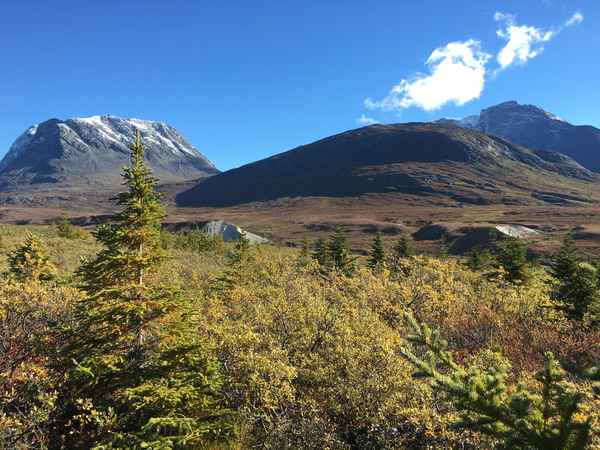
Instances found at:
x=93 y=150
x=532 y=127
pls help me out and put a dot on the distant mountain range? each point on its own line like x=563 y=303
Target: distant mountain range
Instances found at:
x=428 y=160
x=90 y=153
x=509 y=153
x=534 y=128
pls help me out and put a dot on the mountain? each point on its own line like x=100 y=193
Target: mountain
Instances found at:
x=532 y=127
x=89 y=153
x=429 y=160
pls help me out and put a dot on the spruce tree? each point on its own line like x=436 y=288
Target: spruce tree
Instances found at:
x=400 y=252
x=30 y=261
x=304 y=256
x=579 y=294
x=339 y=253
x=549 y=418
x=444 y=250
x=564 y=263
x=512 y=257
x=320 y=253
x=65 y=229
x=480 y=259
x=402 y=248
x=136 y=376
x=241 y=248
x=377 y=258
x=131 y=248
x=237 y=266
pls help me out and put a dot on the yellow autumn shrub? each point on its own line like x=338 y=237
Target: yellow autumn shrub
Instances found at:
x=313 y=363
x=309 y=359
x=29 y=313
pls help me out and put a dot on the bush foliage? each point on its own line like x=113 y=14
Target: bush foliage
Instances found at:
x=179 y=341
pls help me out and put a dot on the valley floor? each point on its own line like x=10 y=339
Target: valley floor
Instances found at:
x=289 y=221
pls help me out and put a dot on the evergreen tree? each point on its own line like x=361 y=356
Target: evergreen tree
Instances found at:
x=241 y=248
x=65 y=229
x=444 y=248
x=512 y=257
x=520 y=418
x=30 y=261
x=127 y=384
x=237 y=266
x=320 y=253
x=579 y=293
x=305 y=256
x=565 y=261
x=480 y=259
x=377 y=258
x=402 y=248
x=339 y=253
x=592 y=315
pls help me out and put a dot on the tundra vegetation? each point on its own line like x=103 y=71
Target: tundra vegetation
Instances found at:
x=133 y=337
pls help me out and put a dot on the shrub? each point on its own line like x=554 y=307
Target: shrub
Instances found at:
x=65 y=229
x=29 y=314
x=312 y=362
x=194 y=240
x=30 y=261
x=545 y=417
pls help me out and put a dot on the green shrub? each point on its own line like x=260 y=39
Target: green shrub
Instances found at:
x=543 y=417
x=65 y=229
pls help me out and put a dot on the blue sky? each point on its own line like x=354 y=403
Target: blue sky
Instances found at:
x=245 y=80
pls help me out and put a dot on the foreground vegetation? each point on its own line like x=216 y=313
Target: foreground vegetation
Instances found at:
x=181 y=341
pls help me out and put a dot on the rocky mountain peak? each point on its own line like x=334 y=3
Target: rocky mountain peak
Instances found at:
x=535 y=128
x=92 y=150
x=522 y=112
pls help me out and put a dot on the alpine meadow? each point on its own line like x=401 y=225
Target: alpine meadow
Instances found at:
x=162 y=340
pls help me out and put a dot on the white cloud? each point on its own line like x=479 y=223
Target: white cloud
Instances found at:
x=523 y=42
x=457 y=71
x=365 y=121
x=575 y=19
x=457 y=75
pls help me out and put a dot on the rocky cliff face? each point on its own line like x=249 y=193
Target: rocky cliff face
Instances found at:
x=90 y=152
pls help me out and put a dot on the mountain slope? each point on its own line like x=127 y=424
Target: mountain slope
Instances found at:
x=434 y=160
x=90 y=152
x=532 y=127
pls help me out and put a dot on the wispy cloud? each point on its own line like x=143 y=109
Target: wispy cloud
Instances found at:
x=456 y=75
x=365 y=121
x=523 y=42
x=575 y=19
x=458 y=70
